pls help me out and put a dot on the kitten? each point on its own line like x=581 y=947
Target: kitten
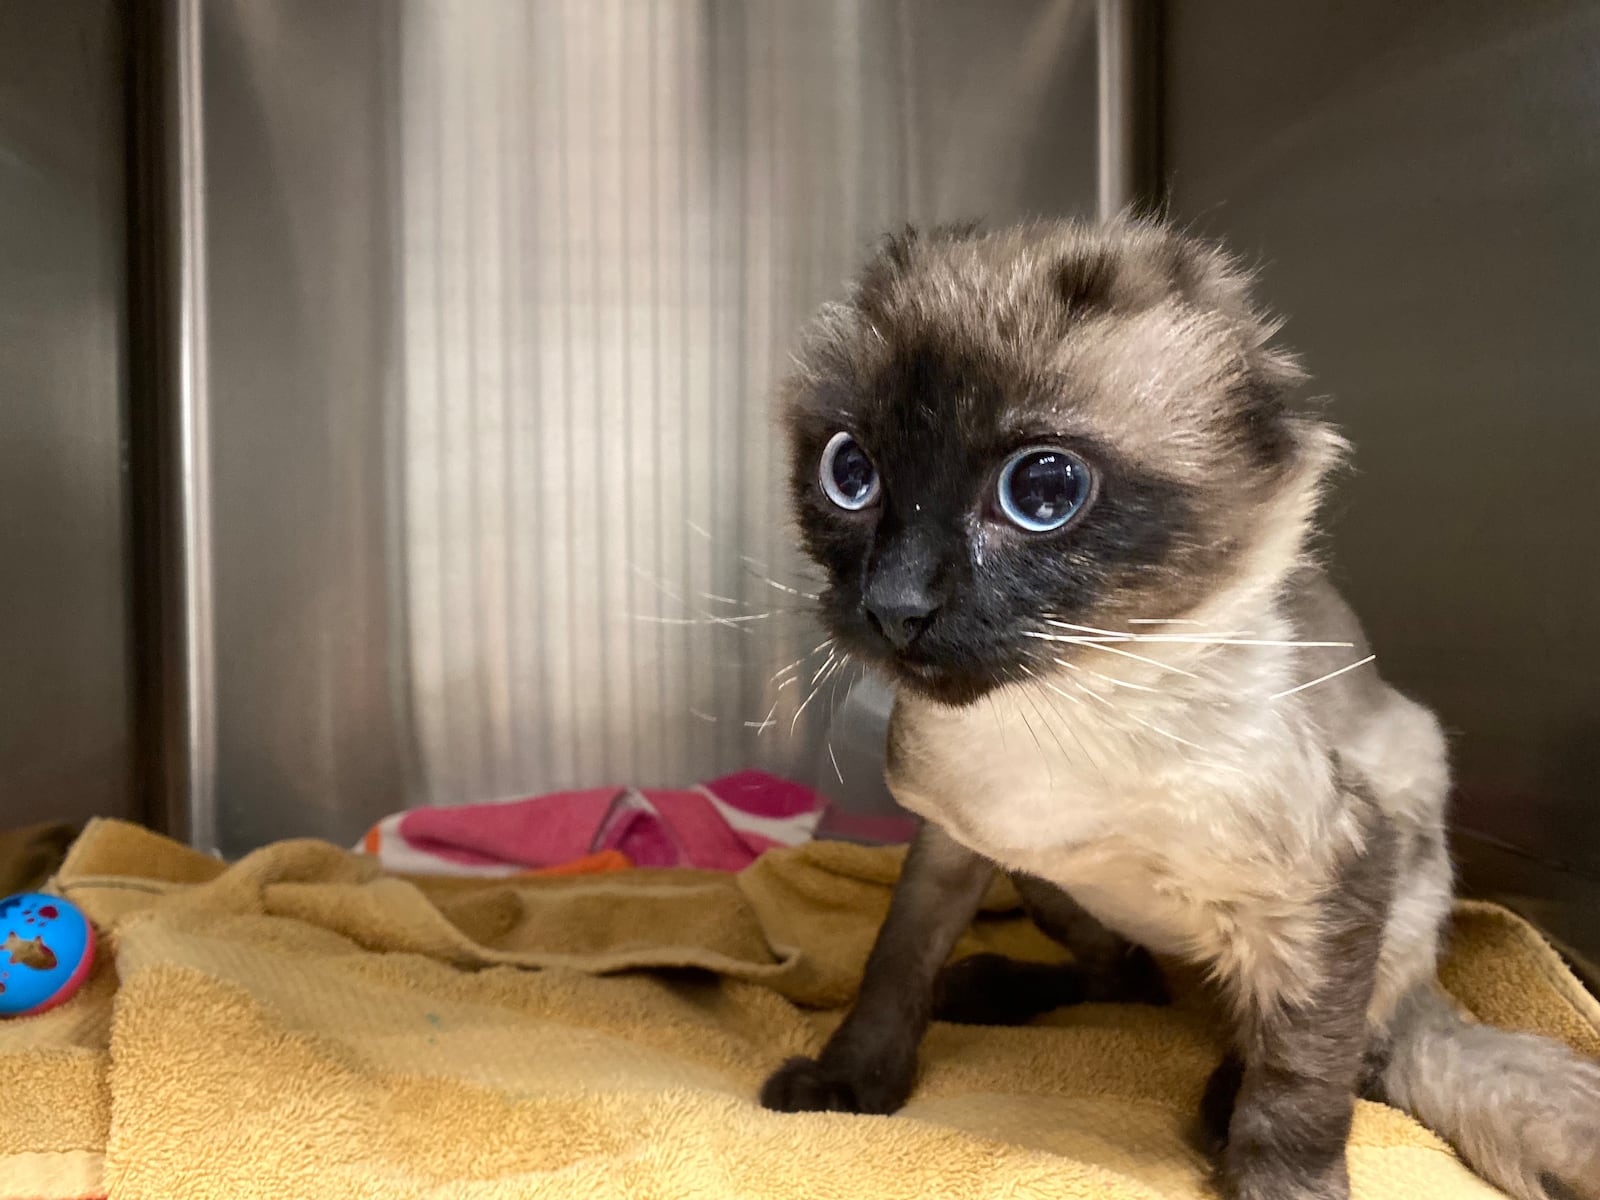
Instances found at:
x=1060 y=500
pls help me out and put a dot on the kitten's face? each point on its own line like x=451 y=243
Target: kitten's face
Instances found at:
x=1003 y=437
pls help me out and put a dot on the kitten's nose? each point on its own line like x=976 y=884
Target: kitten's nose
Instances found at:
x=899 y=614
x=902 y=592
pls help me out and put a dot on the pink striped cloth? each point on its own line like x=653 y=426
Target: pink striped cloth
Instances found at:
x=721 y=825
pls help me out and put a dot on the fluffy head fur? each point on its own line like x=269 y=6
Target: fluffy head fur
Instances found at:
x=1130 y=345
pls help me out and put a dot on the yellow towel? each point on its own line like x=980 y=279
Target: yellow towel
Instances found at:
x=299 y=1025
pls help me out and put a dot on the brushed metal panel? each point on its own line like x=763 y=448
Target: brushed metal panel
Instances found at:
x=299 y=392
x=1421 y=190
x=64 y=669
x=495 y=297
x=615 y=218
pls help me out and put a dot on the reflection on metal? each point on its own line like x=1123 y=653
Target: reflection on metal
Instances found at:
x=172 y=447
x=495 y=296
x=1115 y=125
x=65 y=749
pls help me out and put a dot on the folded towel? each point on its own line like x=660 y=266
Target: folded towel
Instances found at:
x=302 y=1025
x=723 y=825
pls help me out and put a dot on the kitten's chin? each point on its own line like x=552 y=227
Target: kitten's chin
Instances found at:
x=955 y=689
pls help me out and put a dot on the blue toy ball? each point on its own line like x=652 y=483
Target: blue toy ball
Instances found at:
x=46 y=950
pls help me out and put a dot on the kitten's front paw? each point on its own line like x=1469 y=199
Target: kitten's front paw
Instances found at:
x=807 y=1085
x=1254 y=1179
x=1274 y=1189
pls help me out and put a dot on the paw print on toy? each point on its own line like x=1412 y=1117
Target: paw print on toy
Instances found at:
x=46 y=951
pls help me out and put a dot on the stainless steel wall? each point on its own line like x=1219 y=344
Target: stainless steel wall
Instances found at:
x=489 y=302
x=65 y=748
x=1420 y=184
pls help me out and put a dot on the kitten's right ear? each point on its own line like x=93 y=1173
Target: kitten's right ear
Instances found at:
x=896 y=252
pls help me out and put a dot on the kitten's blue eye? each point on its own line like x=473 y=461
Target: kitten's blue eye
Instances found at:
x=848 y=475
x=1041 y=488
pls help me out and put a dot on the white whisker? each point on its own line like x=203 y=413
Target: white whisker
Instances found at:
x=1000 y=726
x=1181 y=640
x=735 y=622
x=766 y=722
x=1323 y=678
x=1138 y=687
x=817 y=683
x=661 y=587
x=704 y=716
x=802 y=708
x=833 y=758
x=1141 y=658
x=1094 y=695
x=1166 y=733
x=752 y=567
x=1062 y=694
x=1038 y=745
x=1113 y=633
x=784 y=670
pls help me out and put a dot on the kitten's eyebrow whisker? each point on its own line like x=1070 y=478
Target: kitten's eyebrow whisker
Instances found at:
x=1323 y=678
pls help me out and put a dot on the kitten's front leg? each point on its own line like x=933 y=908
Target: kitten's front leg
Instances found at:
x=870 y=1062
x=1303 y=1041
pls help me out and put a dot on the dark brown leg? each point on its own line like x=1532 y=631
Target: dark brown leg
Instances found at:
x=991 y=989
x=1304 y=1044
x=870 y=1062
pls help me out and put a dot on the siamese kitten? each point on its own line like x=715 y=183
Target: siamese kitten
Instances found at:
x=1052 y=478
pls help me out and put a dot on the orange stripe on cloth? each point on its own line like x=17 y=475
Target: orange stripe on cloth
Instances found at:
x=589 y=864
